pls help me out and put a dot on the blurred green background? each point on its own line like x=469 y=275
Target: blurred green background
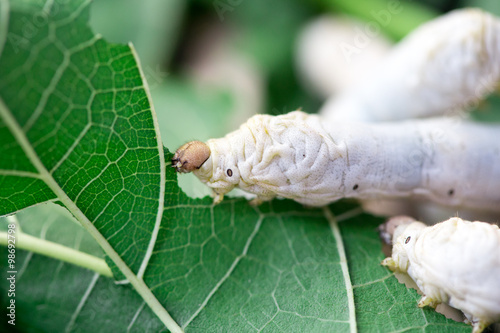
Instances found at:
x=211 y=64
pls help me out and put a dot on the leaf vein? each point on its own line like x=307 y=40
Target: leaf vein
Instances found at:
x=345 y=269
x=228 y=273
x=79 y=308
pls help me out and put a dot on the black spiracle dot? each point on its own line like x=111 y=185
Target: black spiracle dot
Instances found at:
x=407 y=240
x=451 y=192
x=355 y=187
x=229 y=172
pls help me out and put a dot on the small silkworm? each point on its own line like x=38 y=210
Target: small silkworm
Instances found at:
x=455 y=262
x=300 y=157
x=387 y=229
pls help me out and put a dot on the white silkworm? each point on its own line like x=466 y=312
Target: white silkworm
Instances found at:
x=442 y=66
x=298 y=156
x=455 y=262
x=334 y=53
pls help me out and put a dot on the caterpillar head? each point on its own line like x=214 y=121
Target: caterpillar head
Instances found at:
x=211 y=163
x=387 y=229
x=190 y=156
x=405 y=233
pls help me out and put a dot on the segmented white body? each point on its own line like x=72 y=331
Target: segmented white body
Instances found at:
x=442 y=66
x=299 y=156
x=455 y=262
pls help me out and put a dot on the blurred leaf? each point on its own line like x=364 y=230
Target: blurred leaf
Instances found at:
x=395 y=18
x=488 y=110
x=268 y=33
x=54 y=223
x=151 y=25
x=186 y=113
x=488 y=5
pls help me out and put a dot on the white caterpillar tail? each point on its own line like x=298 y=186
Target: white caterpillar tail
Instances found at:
x=455 y=262
x=298 y=156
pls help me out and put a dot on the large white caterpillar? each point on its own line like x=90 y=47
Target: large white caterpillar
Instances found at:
x=443 y=67
x=300 y=157
x=446 y=64
x=455 y=262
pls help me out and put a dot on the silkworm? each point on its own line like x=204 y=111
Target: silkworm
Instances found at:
x=455 y=262
x=442 y=67
x=335 y=52
x=300 y=157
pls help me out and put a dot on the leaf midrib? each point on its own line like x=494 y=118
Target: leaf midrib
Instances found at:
x=45 y=175
x=138 y=283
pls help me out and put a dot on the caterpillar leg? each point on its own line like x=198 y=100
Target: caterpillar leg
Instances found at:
x=260 y=199
x=256 y=202
x=390 y=263
x=427 y=301
x=479 y=326
x=218 y=197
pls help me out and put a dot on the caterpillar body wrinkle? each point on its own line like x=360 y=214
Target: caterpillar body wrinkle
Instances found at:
x=300 y=157
x=455 y=262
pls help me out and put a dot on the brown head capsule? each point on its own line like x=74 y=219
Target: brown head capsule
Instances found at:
x=190 y=156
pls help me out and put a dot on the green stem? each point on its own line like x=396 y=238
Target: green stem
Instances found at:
x=58 y=251
x=396 y=18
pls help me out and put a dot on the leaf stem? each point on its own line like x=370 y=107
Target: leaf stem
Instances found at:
x=57 y=251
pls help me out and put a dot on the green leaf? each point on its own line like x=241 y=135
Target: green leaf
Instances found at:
x=64 y=235
x=77 y=128
x=151 y=26
x=52 y=296
x=396 y=19
x=490 y=6
x=276 y=268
